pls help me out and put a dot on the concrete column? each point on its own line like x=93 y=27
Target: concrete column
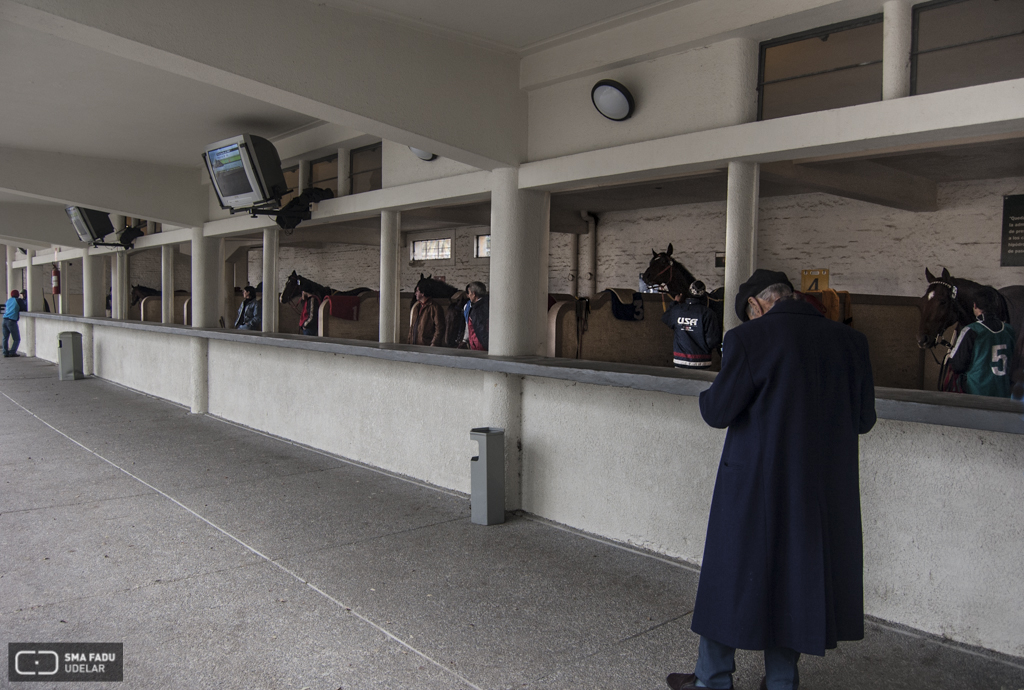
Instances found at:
x=739 y=91
x=897 y=38
x=5 y=275
x=740 y=232
x=64 y=299
x=304 y=176
x=88 y=353
x=123 y=283
x=227 y=289
x=93 y=299
x=344 y=164
x=115 y=283
x=151 y=227
x=34 y=284
x=574 y=265
x=9 y=278
x=205 y=280
x=28 y=336
x=167 y=253
x=503 y=405
x=390 y=262
x=200 y=388
x=271 y=243
x=590 y=262
x=520 y=225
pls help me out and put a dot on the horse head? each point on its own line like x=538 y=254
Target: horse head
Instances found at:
x=433 y=288
x=664 y=270
x=941 y=306
x=292 y=288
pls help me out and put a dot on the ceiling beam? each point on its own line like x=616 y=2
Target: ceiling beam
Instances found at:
x=861 y=180
x=455 y=99
x=162 y=193
x=36 y=226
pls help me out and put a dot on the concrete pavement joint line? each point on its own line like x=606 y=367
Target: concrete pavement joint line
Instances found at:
x=69 y=505
x=347 y=609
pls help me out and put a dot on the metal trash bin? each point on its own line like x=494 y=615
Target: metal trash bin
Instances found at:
x=69 y=356
x=487 y=477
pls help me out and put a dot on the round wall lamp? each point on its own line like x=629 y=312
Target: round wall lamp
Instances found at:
x=423 y=155
x=613 y=100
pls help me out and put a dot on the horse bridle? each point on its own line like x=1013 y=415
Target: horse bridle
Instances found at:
x=671 y=267
x=939 y=340
x=952 y=288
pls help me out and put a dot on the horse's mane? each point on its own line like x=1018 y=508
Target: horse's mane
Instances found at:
x=433 y=288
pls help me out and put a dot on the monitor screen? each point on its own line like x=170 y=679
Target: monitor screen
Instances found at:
x=229 y=171
x=91 y=225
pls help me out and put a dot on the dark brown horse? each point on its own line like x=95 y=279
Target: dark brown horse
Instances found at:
x=949 y=301
x=672 y=277
x=295 y=285
x=140 y=292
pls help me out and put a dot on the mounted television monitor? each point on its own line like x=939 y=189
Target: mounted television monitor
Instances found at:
x=90 y=224
x=245 y=171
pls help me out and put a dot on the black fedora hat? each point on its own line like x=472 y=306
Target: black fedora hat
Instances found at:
x=757 y=282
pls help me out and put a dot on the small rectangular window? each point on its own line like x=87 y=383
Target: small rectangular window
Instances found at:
x=429 y=250
x=832 y=67
x=960 y=43
x=365 y=168
x=482 y=246
x=323 y=173
x=291 y=178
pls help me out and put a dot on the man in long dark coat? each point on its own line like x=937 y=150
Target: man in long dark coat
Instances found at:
x=783 y=560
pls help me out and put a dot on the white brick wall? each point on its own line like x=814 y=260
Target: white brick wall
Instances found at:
x=868 y=248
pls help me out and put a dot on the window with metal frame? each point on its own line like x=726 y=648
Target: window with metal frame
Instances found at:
x=960 y=43
x=432 y=249
x=291 y=178
x=365 y=167
x=482 y=246
x=323 y=173
x=832 y=67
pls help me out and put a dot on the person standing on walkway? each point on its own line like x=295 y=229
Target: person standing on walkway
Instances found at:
x=12 y=312
x=426 y=322
x=308 y=319
x=783 y=558
x=250 y=315
x=984 y=351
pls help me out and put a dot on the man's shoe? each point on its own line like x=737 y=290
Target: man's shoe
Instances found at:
x=683 y=681
x=14 y=354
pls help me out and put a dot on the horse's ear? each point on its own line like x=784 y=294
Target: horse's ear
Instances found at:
x=669 y=252
x=293 y=275
x=945 y=273
x=421 y=276
x=928 y=276
x=654 y=253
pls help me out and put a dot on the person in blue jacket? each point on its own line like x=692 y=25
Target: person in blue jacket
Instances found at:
x=12 y=312
x=783 y=559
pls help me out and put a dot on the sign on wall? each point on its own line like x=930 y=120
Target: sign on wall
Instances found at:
x=1013 y=231
x=814 y=280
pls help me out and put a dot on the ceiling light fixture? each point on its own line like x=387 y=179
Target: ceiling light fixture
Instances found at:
x=613 y=100
x=423 y=155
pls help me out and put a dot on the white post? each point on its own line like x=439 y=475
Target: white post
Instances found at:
x=271 y=243
x=574 y=265
x=740 y=233
x=520 y=224
x=344 y=163
x=115 y=282
x=5 y=275
x=167 y=252
x=63 y=300
x=897 y=38
x=34 y=286
x=9 y=278
x=93 y=299
x=390 y=261
x=304 y=176
x=590 y=267
x=200 y=388
x=205 y=278
x=123 y=283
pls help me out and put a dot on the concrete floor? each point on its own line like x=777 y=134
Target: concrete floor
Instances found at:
x=224 y=558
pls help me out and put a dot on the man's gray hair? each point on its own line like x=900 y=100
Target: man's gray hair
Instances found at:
x=477 y=288
x=772 y=294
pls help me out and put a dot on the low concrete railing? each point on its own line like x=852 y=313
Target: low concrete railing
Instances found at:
x=941 y=475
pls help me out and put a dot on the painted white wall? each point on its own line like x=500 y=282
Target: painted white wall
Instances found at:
x=936 y=559
x=867 y=248
x=400 y=166
x=405 y=418
x=693 y=91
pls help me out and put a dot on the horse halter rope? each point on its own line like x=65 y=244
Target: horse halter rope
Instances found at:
x=670 y=268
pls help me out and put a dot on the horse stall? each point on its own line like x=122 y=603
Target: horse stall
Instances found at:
x=890 y=324
x=287 y=314
x=151 y=308
x=366 y=324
